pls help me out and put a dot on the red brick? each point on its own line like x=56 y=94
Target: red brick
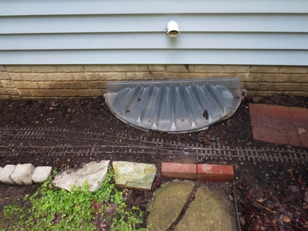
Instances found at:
x=214 y=173
x=279 y=124
x=178 y=170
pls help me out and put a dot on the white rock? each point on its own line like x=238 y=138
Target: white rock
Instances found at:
x=22 y=174
x=6 y=173
x=41 y=174
x=94 y=173
x=134 y=175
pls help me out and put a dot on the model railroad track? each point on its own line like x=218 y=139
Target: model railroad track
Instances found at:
x=57 y=142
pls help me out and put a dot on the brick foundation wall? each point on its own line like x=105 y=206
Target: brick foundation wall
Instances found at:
x=22 y=82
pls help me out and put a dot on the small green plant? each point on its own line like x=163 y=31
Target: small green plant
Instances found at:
x=53 y=209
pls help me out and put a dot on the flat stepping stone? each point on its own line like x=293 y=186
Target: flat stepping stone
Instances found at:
x=279 y=124
x=93 y=173
x=134 y=175
x=206 y=212
x=167 y=204
x=6 y=172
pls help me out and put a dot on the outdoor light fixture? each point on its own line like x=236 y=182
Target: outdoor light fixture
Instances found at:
x=173 y=29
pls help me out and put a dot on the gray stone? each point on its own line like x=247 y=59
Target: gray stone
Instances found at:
x=134 y=175
x=6 y=172
x=22 y=174
x=41 y=174
x=167 y=204
x=93 y=173
x=206 y=212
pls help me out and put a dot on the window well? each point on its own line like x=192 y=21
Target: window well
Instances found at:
x=178 y=106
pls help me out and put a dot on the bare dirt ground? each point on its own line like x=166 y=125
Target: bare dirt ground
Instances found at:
x=271 y=193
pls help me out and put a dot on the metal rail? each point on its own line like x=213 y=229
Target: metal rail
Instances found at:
x=60 y=142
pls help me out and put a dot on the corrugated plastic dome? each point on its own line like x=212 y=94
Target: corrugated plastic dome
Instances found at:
x=174 y=106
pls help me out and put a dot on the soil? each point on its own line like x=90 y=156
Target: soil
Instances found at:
x=269 y=195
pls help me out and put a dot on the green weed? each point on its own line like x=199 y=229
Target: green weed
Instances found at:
x=53 y=209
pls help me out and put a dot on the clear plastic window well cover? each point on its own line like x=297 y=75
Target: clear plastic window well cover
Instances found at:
x=174 y=106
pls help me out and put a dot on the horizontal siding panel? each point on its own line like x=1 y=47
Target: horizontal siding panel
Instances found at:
x=243 y=57
x=155 y=41
x=71 y=7
x=154 y=23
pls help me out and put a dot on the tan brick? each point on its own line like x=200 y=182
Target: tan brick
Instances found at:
x=279 y=78
x=23 y=92
x=4 y=75
x=50 y=85
x=24 y=84
x=153 y=68
x=4 y=97
x=34 y=77
x=243 y=76
x=287 y=86
x=12 y=92
x=97 y=84
x=79 y=76
x=15 y=76
x=53 y=93
x=106 y=76
x=15 y=97
x=219 y=68
x=18 y=69
x=259 y=86
x=44 y=68
x=178 y=68
x=70 y=68
x=260 y=93
x=264 y=69
x=293 y=70
x=299 y=78
x=75 y=85
x=113 y=68
x=90 y=92
x=2 y=68
x=3 y=92
x=141 y=76
x=297 y=93
x=112 y=76
x=304 y=87
x=60 y=76
x=187 y=75
x=8 y=83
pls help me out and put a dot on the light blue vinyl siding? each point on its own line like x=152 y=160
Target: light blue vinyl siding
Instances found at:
x=250 y=32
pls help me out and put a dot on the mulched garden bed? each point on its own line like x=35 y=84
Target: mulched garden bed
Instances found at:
x=270 y=195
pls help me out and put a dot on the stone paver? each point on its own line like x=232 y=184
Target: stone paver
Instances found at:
x=206 y=212
x=22 y=174
x=41 y=174
x=279 y=124
x=5 y=176
x=93 y=173
x=134 y=175
x=167 y=204
x=178 y=170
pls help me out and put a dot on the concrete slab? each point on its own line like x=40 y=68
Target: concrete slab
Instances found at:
x=279 y=124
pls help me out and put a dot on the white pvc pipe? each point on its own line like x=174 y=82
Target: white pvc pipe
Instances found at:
x=173 y=29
